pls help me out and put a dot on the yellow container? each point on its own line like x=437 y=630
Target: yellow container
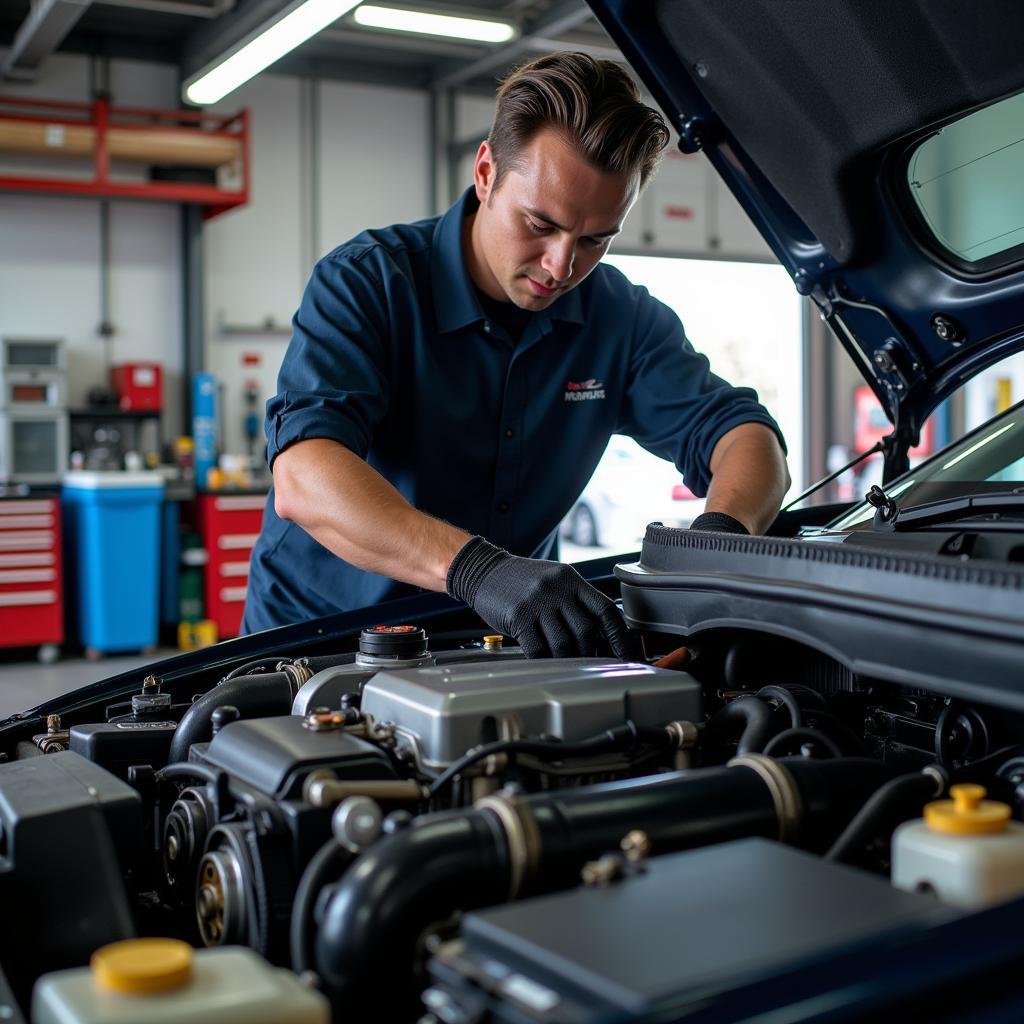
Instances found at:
x=195 y=635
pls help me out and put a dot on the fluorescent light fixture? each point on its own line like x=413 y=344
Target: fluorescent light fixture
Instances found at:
x=398 y=19
x=292 y=27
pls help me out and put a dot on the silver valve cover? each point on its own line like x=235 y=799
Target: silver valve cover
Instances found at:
x=443 y=711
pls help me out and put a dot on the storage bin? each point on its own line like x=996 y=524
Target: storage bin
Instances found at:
x=112 y=522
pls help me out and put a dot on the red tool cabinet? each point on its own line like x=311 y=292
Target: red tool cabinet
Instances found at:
x=229 y=525
x=31 y=573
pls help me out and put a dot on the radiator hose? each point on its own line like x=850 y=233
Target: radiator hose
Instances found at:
x=255 y=696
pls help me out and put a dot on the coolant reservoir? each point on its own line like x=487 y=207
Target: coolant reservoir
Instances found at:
x=160 y=981
x=966 y=849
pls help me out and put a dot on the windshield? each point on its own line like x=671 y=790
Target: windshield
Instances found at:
x=966 y=181
x=988 y=459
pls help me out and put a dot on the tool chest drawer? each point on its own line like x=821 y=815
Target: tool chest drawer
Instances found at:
x=31 y=573
x=229 y=525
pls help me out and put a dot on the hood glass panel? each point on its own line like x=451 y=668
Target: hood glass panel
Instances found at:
x=968 y=183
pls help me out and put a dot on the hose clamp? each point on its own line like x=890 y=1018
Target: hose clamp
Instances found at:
x=783 y=789
x=522 y=837
x=298 y=674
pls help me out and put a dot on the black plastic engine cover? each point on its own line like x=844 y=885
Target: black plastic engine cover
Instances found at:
x=710 y=933
x=68 y=831
x=275 y=755
x=918 y=619
x=119 y=745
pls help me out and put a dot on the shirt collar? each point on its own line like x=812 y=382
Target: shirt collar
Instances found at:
x=455 y=301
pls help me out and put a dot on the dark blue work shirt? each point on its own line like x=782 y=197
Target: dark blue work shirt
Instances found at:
x=393 y=357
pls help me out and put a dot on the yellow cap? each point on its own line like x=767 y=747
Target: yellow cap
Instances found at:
x=141 y=966
x=493 y=640
x=968 y=813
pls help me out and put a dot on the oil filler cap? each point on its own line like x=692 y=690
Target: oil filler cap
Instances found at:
x=142 y=966
x=968 y=813
x=399 y=642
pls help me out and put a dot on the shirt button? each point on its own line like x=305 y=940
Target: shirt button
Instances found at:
x=510 y=432
x=503 y=507
x=487 y=326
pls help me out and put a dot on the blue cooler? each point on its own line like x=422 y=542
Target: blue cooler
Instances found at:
x=112 y=527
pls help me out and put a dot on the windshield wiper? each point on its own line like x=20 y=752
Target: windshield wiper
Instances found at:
x=889 y=515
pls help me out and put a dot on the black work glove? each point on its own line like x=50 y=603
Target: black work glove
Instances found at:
x=547 y=606
x=718 y=522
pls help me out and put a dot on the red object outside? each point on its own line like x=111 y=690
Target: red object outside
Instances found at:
x=101 y=116
x=31 y=573
x=138 y=386
x=229 y=525
x=683 y=493
x=871 y=425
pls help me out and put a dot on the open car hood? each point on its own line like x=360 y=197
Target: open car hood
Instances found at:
x=809 y=112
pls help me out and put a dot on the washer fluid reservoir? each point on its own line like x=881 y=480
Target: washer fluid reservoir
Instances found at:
x=965 y=849
x=157 y=981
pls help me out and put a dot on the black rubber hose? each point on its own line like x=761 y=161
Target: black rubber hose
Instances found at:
x=251 y=668
x=458 y=861
x=371 y=923
x=255 y=697
x=326 y=865
x=755 y=718
x=318 y=662
x=897 y=801
x=191 y=770
x=622 y=737
x=805 y=735
x=784 y=697
x=854 y=743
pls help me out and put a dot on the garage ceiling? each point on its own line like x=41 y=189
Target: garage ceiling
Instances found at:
x=189 y=32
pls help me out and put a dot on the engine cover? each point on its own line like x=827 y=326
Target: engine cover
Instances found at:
x=274 y=755
x=445 y=710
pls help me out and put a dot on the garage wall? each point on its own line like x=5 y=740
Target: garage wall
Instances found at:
x=50 y=250
x=684 y=211
x=329 y=158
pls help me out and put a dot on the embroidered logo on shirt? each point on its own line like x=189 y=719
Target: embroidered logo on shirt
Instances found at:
x=584 y=390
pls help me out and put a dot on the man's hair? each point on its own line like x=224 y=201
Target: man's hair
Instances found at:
x=594 y=104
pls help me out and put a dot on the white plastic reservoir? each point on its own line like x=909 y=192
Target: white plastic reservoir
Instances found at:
x=966 y=849
x=165 y=981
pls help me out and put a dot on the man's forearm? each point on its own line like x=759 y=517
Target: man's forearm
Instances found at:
x=749 y=476
x=357 y=515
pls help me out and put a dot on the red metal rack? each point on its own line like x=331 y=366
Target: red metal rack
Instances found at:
x=101 y=133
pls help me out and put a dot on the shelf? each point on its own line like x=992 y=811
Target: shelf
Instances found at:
x=101 y=133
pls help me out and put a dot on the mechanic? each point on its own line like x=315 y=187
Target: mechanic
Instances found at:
x=451 y=385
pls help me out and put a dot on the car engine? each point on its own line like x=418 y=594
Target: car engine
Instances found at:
x=432 y=827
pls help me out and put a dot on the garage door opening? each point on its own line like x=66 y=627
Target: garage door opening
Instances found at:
x=747 y=318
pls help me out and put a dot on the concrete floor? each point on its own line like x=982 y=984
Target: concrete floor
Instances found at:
x=25 y=683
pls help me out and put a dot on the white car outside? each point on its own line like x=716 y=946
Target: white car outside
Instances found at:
x=629 y=489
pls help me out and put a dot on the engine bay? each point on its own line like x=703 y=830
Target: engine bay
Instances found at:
x=406 y=827
x=431 y=827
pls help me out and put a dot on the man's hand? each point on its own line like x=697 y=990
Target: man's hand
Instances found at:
x=547 y=606
x=718 y=522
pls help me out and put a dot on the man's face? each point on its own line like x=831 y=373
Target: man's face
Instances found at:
x=548 y=224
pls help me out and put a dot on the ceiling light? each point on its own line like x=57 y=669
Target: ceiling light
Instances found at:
x=398 y=19
x=293 y=26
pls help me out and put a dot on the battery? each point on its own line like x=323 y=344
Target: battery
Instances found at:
x=707 y=934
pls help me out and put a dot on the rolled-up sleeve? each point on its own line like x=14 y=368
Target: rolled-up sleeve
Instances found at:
x=674 y=405
x=333 y=380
